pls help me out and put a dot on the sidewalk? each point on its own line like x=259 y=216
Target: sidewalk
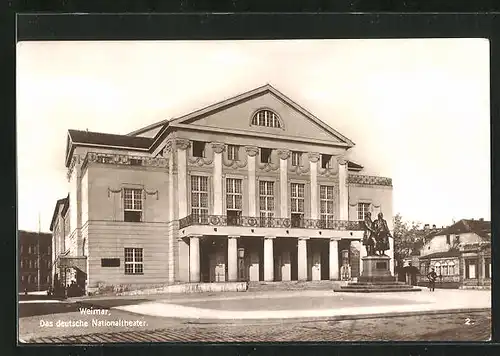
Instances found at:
x=382 y=304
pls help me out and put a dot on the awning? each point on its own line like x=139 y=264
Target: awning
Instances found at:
x=79 y=262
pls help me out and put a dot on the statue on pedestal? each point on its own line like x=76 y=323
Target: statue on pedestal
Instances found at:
x=368 y=236
x=381 y=234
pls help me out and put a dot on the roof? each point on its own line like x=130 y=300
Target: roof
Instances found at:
x=23 y=234
x=450 y=253
x=354 y=166
x=88 y=138
x=65 y=203
x=133 y=142
x=235 y=100
x=479 y=227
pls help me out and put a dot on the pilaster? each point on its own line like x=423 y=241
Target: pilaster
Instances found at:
x=251 y=152
x=171 y=211
x=182 y=145
x=343 y=192
x=283 y=155
x=313 y=172
x=218 y=149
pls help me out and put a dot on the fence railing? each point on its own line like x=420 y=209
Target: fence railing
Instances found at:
x=248 y=221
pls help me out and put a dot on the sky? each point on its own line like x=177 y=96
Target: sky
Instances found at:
x=417 y=110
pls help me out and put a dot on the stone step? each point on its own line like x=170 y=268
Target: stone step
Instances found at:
x=379 y=283
x=290 y=285
x=376 y=290
x=364 y=287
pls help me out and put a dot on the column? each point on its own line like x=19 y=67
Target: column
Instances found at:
x=343 y=193
x=268 y=259
x=313 y=164
x=194 y=258
x=182 y=146
x=218 y=148
x=252 y=196
x=232 y=258
x=334 y=259
x=283 y=155
x=302 y=258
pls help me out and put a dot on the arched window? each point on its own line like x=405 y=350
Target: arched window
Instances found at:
x=266 y=118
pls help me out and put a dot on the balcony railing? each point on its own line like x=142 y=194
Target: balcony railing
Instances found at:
x=247 y=221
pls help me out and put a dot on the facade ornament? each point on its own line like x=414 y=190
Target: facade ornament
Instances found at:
x=313 y=157
x=181 y=143
x=200 y=161
x=341 y=160
x=283 y=153
x=218 y=147
x=114 y=191
x=151 y=193
x=252 y=150
x=168 y=147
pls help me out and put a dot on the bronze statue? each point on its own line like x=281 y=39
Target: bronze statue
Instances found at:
x=368 y=240
x=381 y=234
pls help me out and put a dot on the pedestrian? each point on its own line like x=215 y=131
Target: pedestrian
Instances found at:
x=432 y=275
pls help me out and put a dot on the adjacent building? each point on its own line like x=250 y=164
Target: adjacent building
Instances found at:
x=35 y=261
x=253 y=188
x=460 y=254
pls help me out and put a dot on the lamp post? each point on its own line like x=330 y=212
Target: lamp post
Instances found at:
x=241 y=264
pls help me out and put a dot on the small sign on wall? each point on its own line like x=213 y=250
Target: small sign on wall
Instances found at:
x=110 y=262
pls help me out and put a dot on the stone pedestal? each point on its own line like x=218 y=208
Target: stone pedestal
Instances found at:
x=376 y=277
x=376 y=269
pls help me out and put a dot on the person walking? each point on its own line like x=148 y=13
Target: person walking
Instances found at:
x=432 y=275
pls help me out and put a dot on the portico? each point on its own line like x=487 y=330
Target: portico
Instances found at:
x=264 y=254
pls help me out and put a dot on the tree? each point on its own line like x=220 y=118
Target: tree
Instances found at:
x=407 y=237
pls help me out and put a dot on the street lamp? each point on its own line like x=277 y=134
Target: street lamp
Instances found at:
x=241 y=264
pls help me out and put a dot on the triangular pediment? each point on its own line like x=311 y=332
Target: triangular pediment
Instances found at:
x=236 y=114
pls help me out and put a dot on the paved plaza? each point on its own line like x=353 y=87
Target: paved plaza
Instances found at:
x=258 y=317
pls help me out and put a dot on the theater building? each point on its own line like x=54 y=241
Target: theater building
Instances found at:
x=253 y=188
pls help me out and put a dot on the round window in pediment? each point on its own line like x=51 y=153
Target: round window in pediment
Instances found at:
x=266 y=118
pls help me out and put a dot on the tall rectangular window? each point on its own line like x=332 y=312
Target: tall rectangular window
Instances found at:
x=295 y=159
x=487 y=267
x=234 y=201
x=132 y=204
x=232 y=152
x=326 y=205
x=363 y=208
x=470 y=269
x=266 y=196
x=199 y=199
x=297 y=204
x=134 y=263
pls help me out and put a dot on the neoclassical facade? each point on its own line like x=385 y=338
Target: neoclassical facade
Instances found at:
x=253 y=188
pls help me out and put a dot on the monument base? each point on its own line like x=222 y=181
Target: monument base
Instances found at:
x=376 y=277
